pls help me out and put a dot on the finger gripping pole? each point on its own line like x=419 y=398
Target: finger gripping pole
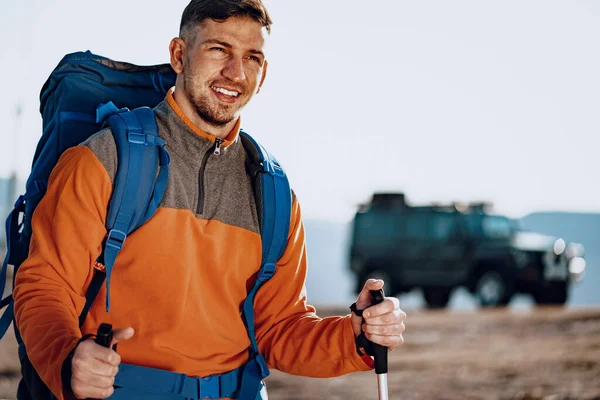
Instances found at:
x=380 y=353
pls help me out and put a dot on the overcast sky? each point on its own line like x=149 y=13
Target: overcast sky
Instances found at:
x=466 y=100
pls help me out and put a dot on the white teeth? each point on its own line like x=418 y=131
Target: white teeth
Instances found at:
x=225 y=91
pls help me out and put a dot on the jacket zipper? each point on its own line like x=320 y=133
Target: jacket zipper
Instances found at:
x=216 y=150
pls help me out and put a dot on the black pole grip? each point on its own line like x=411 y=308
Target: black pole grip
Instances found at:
x=105 y=335
x=380 y=353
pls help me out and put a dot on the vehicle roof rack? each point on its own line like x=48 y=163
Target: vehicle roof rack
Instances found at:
x=397 y=200
x=384 y=199
x=389 y=199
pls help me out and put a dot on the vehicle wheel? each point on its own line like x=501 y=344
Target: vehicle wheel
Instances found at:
x=557 y=293
x=493 y=288
x=390 y=287
x=436 y=297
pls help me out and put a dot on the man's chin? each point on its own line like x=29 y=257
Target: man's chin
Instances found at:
x=225 y=116
x=215 y=118
x=218 y=121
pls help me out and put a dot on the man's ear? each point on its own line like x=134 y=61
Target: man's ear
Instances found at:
x=176 y=51
x=264 y=75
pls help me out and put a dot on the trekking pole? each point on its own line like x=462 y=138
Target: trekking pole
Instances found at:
x=380 y=354
x=104 y=336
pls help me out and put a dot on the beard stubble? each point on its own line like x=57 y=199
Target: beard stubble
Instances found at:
x=217 y=115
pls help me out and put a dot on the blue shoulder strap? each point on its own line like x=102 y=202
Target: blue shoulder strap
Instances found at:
x=138 y=191
x=138 y=188
x=276 y=214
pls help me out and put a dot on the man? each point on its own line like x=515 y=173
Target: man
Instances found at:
x=178 y=284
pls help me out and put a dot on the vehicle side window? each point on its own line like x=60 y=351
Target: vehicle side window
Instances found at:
x=496 y=227
x=473 y=225
x=417 y=226
x=373 y=228
x=444 y=226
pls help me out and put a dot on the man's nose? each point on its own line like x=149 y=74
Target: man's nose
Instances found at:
x=234 y=70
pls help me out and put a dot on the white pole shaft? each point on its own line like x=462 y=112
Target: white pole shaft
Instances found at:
x=382 y=385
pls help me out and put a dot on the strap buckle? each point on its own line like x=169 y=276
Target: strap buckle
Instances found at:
x=273 y=169
x=209 y=385
x=266 y=272
x=136 y=137
x=116 y=239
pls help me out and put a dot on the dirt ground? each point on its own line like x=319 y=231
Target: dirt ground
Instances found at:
x=540 y=353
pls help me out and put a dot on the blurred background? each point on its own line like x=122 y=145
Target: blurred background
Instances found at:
x=446 y=102
x=443 y=101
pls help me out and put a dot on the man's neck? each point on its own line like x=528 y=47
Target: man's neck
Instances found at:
x=183 y=103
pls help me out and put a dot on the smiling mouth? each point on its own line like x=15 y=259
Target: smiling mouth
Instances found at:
x=231 y=93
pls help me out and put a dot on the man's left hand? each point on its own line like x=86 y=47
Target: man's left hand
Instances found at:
x=384 y=322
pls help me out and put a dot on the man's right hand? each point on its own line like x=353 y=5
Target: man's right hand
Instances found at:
x=94 y=367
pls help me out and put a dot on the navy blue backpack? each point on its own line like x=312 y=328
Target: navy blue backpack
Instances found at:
x=84 y=93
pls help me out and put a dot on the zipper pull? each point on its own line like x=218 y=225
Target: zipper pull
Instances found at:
x=218 y=142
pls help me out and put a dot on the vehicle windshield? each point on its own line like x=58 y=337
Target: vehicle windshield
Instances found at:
x=490 y=226
x=496 y=227
x=517 y=225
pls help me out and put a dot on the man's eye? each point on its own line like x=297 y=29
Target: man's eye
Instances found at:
x=254 y=58
x=218 y=49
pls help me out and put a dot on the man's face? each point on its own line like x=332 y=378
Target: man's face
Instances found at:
x=223 y=67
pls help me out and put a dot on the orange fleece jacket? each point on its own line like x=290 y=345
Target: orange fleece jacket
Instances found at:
x=179 y=280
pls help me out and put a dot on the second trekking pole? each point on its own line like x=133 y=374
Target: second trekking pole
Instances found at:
x=105 y=335
x=380 y=354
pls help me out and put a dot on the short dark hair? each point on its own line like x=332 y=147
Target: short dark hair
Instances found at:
x=219 y=10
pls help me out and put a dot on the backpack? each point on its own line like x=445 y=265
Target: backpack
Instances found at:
x=84 y=93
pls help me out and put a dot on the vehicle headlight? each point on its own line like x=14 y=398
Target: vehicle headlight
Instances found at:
x=559 y=247
x=577 y=267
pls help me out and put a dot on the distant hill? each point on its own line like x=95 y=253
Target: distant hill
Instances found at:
x=330 y=282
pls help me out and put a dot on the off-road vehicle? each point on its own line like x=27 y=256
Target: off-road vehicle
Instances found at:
x=438 y=248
